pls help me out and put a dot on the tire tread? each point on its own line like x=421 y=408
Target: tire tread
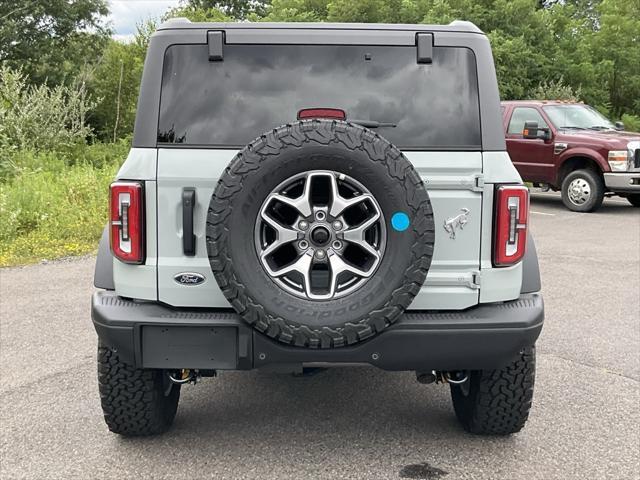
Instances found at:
x=133 y=400
x=499 y=400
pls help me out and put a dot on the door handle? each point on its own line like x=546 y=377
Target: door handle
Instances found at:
x=188 y=237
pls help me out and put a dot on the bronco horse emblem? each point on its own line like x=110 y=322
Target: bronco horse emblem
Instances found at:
x=459 y=220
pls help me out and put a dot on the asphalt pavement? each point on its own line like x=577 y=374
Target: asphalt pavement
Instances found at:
x=357 y=423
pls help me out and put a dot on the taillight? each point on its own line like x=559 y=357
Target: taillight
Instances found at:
x=127 y=221
x=336 y=113
x=512 y=216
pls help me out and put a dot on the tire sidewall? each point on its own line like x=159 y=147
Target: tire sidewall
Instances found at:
x=595 y=184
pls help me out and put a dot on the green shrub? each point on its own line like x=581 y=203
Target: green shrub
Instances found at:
x=53 y=186
x=556 y=90
x=54 y=207
x=41 y=118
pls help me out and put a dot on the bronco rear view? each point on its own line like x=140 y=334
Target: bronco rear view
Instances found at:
x=314 y=195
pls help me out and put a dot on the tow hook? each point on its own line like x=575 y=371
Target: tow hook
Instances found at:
x=456 y=377
x=185 y=376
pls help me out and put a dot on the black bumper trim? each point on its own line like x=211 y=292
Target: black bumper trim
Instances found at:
x=486 y=336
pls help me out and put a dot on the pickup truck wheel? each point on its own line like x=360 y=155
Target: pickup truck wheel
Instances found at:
x=634 y=199
x=135 y=402
x=583 y=191
x=320 y=233
x=496 y=402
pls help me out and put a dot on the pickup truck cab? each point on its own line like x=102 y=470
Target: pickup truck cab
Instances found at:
x=571 y=147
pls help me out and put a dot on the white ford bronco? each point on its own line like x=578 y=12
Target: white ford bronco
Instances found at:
x=312 y=195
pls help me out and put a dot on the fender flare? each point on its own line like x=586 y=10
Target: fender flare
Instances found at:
x=587 y=153
x=530 y=268
x=103 y=273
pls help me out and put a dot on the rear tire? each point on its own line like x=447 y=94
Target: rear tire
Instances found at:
x=496 y=402
x=634 y=199
x=583 y=191
x=135 y=402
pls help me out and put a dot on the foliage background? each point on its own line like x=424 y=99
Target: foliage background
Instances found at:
x=68 y=91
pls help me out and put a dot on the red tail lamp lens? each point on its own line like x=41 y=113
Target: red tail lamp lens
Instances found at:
x=512 y=217
x=127 y=221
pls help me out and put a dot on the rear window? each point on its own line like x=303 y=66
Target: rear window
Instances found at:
x=259 y=87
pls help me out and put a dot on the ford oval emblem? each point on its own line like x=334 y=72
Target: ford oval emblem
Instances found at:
x=189 y=278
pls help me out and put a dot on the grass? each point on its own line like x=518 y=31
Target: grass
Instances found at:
x=55 y=204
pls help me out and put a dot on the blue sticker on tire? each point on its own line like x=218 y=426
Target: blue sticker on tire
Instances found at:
x=400 y=221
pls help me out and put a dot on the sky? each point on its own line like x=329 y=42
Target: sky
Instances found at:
x=125 y=14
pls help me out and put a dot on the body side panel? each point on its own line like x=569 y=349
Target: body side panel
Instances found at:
x=140 y=281
x=496 y=284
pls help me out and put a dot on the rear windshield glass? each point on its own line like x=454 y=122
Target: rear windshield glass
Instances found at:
x=259 y=87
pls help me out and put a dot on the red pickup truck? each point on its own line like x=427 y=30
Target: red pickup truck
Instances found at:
x=571 y=147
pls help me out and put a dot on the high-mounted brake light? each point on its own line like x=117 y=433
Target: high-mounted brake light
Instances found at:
x=126 y=221
x=322 y=113
x=512 y=216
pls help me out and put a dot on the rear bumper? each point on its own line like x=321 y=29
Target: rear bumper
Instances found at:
x=151 y=335
x=623 y=182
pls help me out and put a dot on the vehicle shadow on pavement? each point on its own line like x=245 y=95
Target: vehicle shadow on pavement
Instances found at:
x=345 y=412
x=342 y=416
x=342 y=401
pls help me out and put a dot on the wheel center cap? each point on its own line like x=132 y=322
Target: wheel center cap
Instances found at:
x=320 y=236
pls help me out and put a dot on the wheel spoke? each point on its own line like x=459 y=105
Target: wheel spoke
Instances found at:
x=302 y=266
x=284 y=235
x=301 y=204
x=355 y=235
x=339 y=204
x=338 y=266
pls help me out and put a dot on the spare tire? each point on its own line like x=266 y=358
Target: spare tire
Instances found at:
x=320 y=233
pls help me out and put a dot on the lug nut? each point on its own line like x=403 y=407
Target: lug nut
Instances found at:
x=337 y=244
x=320 y=254
x=303 y=244
x=337 y=225
x=320 y=215
x=302 y=225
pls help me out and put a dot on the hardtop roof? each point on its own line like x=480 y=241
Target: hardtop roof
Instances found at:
x=181 y=23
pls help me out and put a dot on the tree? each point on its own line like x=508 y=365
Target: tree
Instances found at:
x=114 y=83
x=197 y=14
x=238 y=9
x=51 y=39
x=295 y=11
x=616 y=51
